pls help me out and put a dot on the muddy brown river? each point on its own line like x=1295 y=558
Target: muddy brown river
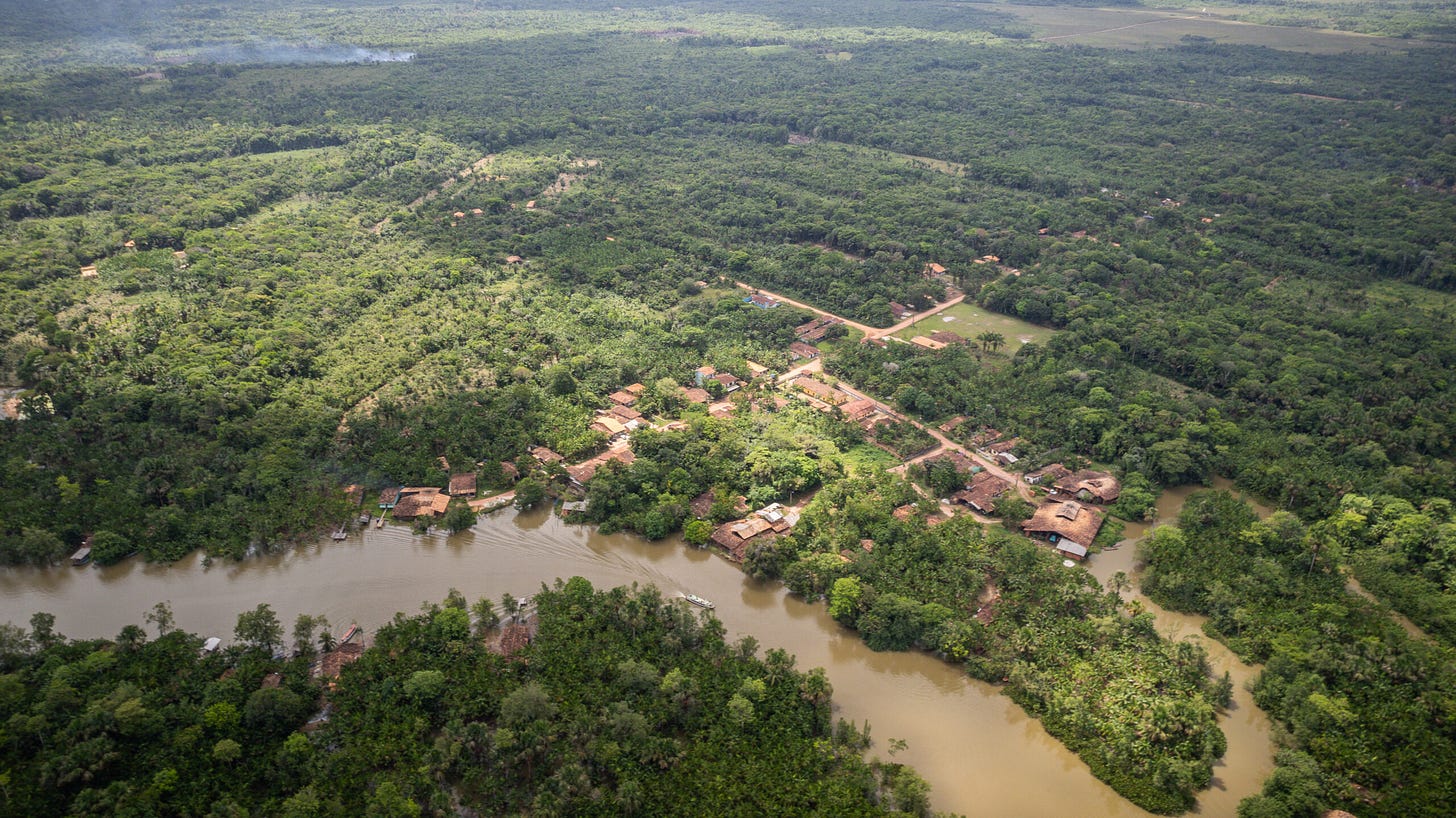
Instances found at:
x=981 y=754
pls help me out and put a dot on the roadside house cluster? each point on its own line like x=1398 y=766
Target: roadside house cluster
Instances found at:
x=619 y=418
x=815 y=330
x=997 y=449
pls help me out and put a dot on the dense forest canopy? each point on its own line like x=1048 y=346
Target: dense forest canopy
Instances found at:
x=1339 y=670
x=338 y=315
x=253 y=252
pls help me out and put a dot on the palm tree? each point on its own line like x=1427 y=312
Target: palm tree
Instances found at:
x=1118 y=583
x=991 y=341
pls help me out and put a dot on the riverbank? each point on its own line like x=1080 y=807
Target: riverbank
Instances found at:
x=980 y=752
x=1249 y=758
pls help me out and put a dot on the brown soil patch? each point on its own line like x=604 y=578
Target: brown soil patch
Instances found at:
x=830 y=249
x=565 y=181
x=462 y=175
x=986 y=603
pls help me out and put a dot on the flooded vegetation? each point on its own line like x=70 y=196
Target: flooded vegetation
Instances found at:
x=982 y=755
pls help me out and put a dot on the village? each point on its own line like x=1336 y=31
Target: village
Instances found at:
x=1069 y=503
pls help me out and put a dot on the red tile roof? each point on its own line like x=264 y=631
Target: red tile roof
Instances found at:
x=858 y=410
x=583 y=472
x=439 y=504
x=462 y=484
x=985 y=488
x=331 y=663
x=415 y=505
x=544 y=455
x=625 y=413
x=735 y=537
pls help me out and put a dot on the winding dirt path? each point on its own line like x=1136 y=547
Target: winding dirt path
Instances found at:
x=867 y=330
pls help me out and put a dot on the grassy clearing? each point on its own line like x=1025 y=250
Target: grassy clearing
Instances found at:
x=970 y=320
x=865 y=457
x=1396 y=292
x=1156 y=28
x=928 y=162
x=1391 y=18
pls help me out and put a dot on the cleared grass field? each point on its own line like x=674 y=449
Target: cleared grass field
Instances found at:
x=1409 y=295
x=928 y=162
x=969 y=320
x=863 y=458
x=1161 y=28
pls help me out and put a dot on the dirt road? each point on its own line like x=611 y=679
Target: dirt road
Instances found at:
x=816 y=365
x=869 y=332
x=919 y=316
x=946 y=444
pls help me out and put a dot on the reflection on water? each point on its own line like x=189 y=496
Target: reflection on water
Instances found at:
x=982 y=755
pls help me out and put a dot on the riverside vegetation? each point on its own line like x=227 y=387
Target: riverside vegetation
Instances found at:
x=624 y=704
x=1246 y=254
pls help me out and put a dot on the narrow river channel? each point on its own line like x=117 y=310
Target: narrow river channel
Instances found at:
x=982 y=755
x=1250 y=755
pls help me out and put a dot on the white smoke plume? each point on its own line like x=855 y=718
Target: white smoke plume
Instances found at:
x=273 y=51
